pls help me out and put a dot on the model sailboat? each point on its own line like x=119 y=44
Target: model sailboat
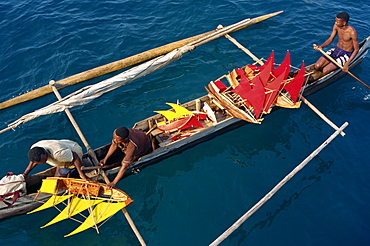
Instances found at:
x=79 y=195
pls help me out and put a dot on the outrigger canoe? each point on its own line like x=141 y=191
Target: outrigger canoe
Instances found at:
x=224 y=107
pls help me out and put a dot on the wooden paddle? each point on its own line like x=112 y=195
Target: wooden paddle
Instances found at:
x=340 y=66
x=95 y=160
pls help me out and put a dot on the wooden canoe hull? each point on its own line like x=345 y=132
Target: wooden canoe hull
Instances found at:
x=225 y=122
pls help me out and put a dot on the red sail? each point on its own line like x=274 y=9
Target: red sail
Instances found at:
x=271 y=59
x=271 y=91
x=294 y=86
x=193 y=122
x=242 y=88
x=266 y=69
x=256 y=96
x=180 y=124
x=242 y=76
x=284 y=67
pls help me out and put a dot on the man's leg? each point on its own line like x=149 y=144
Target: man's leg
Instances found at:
x=321 y=63
x=328 y=68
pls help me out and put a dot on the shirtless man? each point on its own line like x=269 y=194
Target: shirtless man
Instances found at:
x=346 y=48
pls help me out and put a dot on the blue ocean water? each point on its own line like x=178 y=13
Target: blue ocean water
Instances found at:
x=192 y=197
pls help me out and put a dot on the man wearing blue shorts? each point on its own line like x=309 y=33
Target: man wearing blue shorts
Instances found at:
x=346 y=48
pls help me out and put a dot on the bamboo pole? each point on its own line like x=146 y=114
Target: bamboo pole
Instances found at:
x=340 y=66
x=241 y=220
x=117 y=65
x=321 y=114
x=310 y=105
x=233 y=40
x=95 y=160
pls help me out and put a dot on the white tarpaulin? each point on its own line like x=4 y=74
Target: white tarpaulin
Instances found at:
x=89 y=93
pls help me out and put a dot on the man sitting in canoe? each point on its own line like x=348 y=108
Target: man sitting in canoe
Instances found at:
x=65 y=155
x=134 y=143
x=346 y=48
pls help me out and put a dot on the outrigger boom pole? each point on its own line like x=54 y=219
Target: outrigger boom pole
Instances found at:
x=251 y=211
x=95 y=160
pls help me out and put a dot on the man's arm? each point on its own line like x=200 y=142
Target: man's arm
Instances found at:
x=120 y=174
x=329 y=40
x=127 y=160
x=78 y=163
x=356 y=48
x=112 y=148
x=29 y=168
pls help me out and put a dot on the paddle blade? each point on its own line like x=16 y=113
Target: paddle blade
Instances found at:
x=101 y=212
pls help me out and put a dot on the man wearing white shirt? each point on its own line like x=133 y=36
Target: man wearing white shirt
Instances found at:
x=65 y=155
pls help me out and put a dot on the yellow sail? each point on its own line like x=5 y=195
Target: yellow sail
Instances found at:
x=49 y=186
x=101 y=212
x=75 y=206
x=53 y=200
x=168 y=114
x=180 y=110
x=100 y=200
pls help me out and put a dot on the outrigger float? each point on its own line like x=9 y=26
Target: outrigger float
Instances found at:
x=243 y=95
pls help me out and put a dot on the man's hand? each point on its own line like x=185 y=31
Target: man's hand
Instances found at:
x=101 y=163
x=87 y=179
x=345 y=68
x=317 y=47
x=111 y=184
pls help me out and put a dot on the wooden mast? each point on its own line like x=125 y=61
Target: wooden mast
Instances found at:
x=117 y=65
